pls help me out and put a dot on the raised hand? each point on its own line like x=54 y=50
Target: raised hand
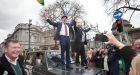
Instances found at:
x=113 y=40
x=74 y=18
x=45 y=16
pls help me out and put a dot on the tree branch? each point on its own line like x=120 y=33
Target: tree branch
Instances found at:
x=132 y=8
x=133 y=13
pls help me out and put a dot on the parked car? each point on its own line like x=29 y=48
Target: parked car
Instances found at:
x=36 y=63
x=49 y=63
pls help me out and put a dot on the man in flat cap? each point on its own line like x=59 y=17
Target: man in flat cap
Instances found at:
x=62 y=34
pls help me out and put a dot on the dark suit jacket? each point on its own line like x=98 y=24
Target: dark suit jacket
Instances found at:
x=79 y=34
x=59 y=25
x=5 y=66
x=127 y=53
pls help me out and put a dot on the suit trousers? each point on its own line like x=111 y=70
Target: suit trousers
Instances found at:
x=65 y=47
x=80 y=51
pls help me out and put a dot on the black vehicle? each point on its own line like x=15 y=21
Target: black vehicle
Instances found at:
x=49 y=63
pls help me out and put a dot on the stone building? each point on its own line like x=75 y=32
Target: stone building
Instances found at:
x=39 y=39
x=48 y=40
x=131 y=32
x=134 y=34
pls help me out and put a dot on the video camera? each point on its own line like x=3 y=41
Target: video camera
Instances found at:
x=101 y=37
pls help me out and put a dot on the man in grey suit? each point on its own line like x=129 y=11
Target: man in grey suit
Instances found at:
x=63 y=35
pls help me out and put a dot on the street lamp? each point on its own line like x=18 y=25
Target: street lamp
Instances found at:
x=29 y=32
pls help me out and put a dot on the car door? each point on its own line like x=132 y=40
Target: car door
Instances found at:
x=35 y=63
x=28 y=63
x=40 y=66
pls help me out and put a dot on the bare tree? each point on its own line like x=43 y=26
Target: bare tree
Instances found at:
x=123 y=5
x=60 y=8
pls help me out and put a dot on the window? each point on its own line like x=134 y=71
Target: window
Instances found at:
x=35 y=64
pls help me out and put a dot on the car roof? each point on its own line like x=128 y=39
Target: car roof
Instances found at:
x=43 y=51
x=37 y=51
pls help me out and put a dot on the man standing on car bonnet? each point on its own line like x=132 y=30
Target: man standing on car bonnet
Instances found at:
x=11 y=62
x=63 y=35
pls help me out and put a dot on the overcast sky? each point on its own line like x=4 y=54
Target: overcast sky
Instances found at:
x=20 y=11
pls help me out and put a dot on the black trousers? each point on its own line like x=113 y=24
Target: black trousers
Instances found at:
x=80 y=51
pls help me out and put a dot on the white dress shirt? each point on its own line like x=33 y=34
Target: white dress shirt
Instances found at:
x=11 y=61
x=62 y=31
x=83 y=36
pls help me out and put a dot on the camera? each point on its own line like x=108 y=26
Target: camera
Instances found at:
x=101 y=37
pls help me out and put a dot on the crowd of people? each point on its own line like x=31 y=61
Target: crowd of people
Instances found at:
x=118 y=59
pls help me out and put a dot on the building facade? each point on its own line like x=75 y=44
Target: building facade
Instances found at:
x=131 y=32
x=134 y=34
x=39 y=39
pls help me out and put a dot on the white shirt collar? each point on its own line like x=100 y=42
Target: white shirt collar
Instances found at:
x=11 y=61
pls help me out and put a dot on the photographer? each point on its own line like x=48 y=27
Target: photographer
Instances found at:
x=121 y=62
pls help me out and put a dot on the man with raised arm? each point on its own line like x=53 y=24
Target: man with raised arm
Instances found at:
x=63 y=35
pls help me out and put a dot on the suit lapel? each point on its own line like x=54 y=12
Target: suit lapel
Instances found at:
x=21 y=67
x=68 y=25
x=7 y=65
x=59 y=28
x=61 y=25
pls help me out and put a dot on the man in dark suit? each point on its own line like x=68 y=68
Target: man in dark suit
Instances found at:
x=80 y=41
x=63 y=35
x=11 y=62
